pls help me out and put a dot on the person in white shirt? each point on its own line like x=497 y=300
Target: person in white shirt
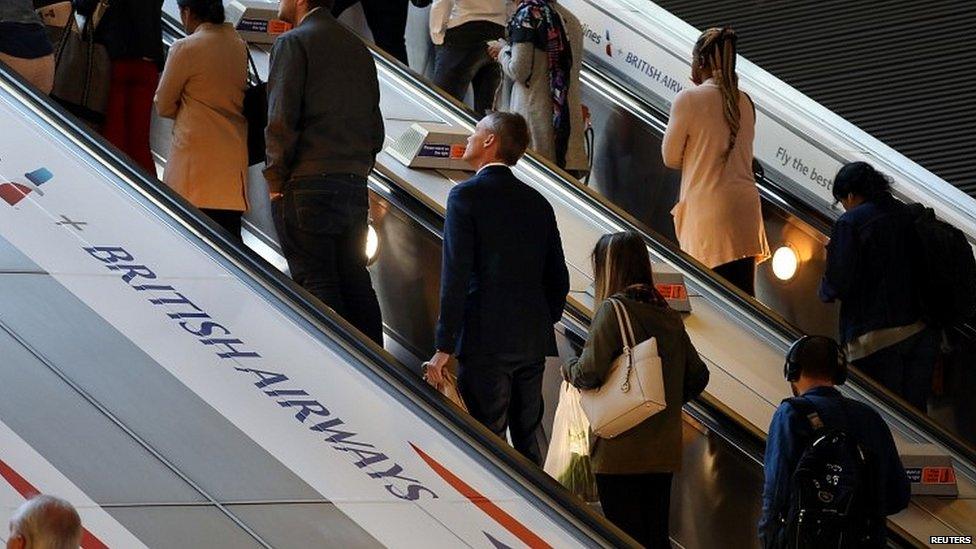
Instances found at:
x=461 y=31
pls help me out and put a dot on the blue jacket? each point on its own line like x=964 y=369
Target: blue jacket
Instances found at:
x=503 y=276
x=789 y=435
x=871 y=268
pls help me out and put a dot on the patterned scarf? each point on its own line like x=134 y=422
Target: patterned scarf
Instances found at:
x=537 y=21
x=645 y=293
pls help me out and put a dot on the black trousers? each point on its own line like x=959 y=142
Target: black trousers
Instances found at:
x=906 y=367
x=387 y=20
x=639 y=505
x=457 y=67
x=741 y=273
x=230 y=220
x=506 y=394
x=322 y=224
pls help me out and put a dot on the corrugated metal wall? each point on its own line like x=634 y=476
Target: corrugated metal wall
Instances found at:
x=904 y=71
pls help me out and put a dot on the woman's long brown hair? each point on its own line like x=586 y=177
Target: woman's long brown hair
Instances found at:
x=620 y=260
x=715 y=50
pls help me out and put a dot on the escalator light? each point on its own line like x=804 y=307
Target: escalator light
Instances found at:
x=785 y=263
x=372 y=244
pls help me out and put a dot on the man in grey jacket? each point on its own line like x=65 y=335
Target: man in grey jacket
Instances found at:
x=324 y=131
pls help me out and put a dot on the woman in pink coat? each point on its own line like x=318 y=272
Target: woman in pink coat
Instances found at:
x=718 y=218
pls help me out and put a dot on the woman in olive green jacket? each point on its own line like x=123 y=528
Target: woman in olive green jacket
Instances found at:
x=634 y=469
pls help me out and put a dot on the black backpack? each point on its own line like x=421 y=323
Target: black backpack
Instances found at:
x=947 y=288
x=833 y=499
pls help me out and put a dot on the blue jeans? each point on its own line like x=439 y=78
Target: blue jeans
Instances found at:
x=322 y=224
x=906 y=367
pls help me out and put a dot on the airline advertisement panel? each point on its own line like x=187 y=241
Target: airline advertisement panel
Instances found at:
x=341 y=431
x=658 y=74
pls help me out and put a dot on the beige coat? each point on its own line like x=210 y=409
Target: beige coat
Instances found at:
x=718 y=218
x=202 y=87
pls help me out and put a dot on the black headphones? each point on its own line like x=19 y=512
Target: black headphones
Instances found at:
x=791 y=369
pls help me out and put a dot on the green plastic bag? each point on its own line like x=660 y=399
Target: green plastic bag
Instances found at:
x=568 y=459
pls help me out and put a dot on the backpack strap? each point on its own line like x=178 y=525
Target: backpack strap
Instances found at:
x=808 y=410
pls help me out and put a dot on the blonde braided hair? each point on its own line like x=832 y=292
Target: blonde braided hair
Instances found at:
x=715 y=50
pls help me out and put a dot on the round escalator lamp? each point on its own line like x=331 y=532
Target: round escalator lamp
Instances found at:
x=372 y=244
x=785 y=263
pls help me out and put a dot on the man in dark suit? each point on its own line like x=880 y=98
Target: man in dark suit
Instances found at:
x=503 y=286
x=324 y=130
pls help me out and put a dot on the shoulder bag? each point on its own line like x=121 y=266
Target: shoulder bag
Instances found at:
x=255 y=111
x=634 y=388
x=82 y=75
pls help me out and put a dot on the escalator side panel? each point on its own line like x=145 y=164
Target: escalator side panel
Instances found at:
x=392 y=473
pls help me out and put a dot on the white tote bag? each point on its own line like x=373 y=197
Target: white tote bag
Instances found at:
x=634 y=388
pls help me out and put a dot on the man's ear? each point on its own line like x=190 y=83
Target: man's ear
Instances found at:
x=16 y=541
x=490 y=140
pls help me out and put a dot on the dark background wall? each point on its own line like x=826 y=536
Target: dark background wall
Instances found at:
x=902 y=70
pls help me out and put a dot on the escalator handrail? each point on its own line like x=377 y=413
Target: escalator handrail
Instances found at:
x=705 y=409
x=775 y=191
x=533 y=483
x=758 y=313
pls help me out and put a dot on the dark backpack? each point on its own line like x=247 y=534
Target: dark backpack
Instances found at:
x=833 y=500
x=947 y=269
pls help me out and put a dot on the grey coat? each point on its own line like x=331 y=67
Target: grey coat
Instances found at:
x=527 y=67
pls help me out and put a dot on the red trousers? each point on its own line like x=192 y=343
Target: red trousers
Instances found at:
x=130 y=103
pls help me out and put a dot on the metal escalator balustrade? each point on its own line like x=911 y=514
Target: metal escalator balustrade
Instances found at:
x=798 y=140
x=235 y=332
x=903 y=419
x=797 y=228
x=797 y=222
x=452 y=116
x=891 y=68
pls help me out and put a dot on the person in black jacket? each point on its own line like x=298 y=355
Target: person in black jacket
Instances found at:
x=324 y=131
x=871 y=270
x=132 y=32
x=503 y=285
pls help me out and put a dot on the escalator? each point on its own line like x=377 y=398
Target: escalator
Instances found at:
x=742 y=340
x=634 y=62
x=629 y=102
x=183 y=393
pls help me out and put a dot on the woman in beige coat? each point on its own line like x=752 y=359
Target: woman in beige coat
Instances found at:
x=202 y=87
x=718 y=218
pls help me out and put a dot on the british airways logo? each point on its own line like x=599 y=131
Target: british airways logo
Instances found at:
x=13 y=192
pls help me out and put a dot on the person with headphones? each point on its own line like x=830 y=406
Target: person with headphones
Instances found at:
x=814 y=367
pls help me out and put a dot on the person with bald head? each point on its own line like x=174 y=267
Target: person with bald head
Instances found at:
x=45 y=522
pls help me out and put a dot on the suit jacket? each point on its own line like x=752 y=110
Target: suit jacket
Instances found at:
x=503 y=277
x=323 y=103
x=202 y=87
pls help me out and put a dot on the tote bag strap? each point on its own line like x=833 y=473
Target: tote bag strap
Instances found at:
x=254 y=67
x=69 y=26
x=97 y=15
x=623 y=322
x=627 y=334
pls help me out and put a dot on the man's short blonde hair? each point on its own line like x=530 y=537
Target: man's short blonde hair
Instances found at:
x=47 y=522
x=512 y=133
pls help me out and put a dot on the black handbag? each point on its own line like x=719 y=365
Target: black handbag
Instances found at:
x=82 y=76
x=256 y=112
